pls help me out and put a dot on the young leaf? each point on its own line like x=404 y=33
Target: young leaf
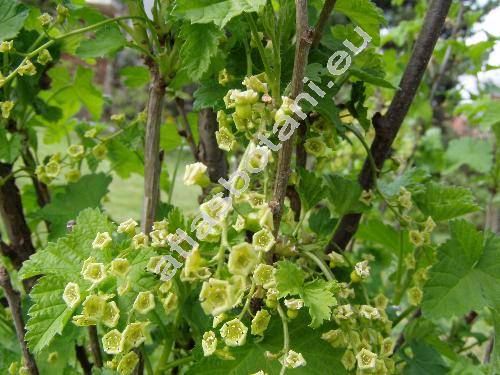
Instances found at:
x=49 y=313
x=467 y=274
x=135 y=76
x=365 y=14
x=474 y=152
x=219 y=12
x=108 y=39
x=445 y=202
x=289 y=278
x=319 y=299
x=200 y=47
x=321 y=223
x=379 y=233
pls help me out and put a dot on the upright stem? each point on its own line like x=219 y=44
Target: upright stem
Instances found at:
x=94 y=346
x=152 y=163
x=187 y=128
x=14 y=300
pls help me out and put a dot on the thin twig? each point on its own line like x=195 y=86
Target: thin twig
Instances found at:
x=94 y=346
x=14 y=300
x=322 y=21
x=188 y=134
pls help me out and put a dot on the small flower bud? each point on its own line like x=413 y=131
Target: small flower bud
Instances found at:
x=100 y=151
x=26 y=68
x=362 y=269
x=404 y=198
x=111 y=314
x=415 y=295
x=234 y=333
x=416 y=238
x=430 y=225
x=45 y=20
x=264 y=275
x=335 y=338
x=348 y=360
x=44 y=57
x=170 y=302
x=118 y=118
x=6 y=46
x=195 y=174
x=369 y=312
x=224 y=77
x=225 y=139
x=72 y=175
x=387 y=347
x=315 y=146
x=343 y=312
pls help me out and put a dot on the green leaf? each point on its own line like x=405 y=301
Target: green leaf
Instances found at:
x=445 y=202
x=65 y=206
x=12 y=17
x=474 y=152
x=321 y=223
x=467 y=274
x=219 y=12
x=318 y=297
x=367 y=76
x=344 y=194
x=322 y=359
x=49 y=313
x=289 y=278
x=365 y=14
x=200 y=47
x=135 y=76
x=209 y=95
x=426 y=360
x=309 y=189
x=11 y=146
x=65 y=257
x=85 y=90
x=411 y=179
x=379 y=233
x=108 y=39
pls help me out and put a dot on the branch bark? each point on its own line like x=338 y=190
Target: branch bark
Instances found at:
x=11 y=211
x=188 y=134
x=388 y=125
x=14 y=300
x=209 y=152
x=94 y=346
x=152 y=165
x=322 y=21
x=81 y=356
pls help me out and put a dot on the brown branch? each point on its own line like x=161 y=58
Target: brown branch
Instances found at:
x=94 y=346
x=81 y=356
x=152 y=150
x=304 y=41
x=188 y=134
x=14 y=300
x=11 y=210
x=322 y=21
x=209 y=152
x=387 y=126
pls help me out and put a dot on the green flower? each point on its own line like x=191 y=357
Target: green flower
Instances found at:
x=429 y=225
x=263 y=240
x=254 y=83
x=112 y=342
x=118 y=118
x=72 y=175
x=144 y=302
x=45 y=20
x=415 y=295
x=75 y=151
x=216 y=296
x=83 y=321
x=140 y=240
x=242 y=259
x=52 y=169
x=293 y=359
x=133 y=335
x=128 y=363
x=44 y=57
x=71 y=295
x=366 y=359
x=6 y=46
x=101 y=241
x=127 y=226
x=94 y=272
x=100 y=151
x=120 y=267
x=264 y=275
x=225 y=139
x=93 y=307
x=416 y=238
x=111 y=314
x=335 y=338
x=234 y=333
x=209 y=343
x=194 y=267
x=6 y=107
x=387 y=347
x=260 y=322
x=224 y=77
x=369 y=312
x=27 y=68
x=349 y=360
x=170 y=302
x=315 y=146
x=404 y=198
x=362 y=269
